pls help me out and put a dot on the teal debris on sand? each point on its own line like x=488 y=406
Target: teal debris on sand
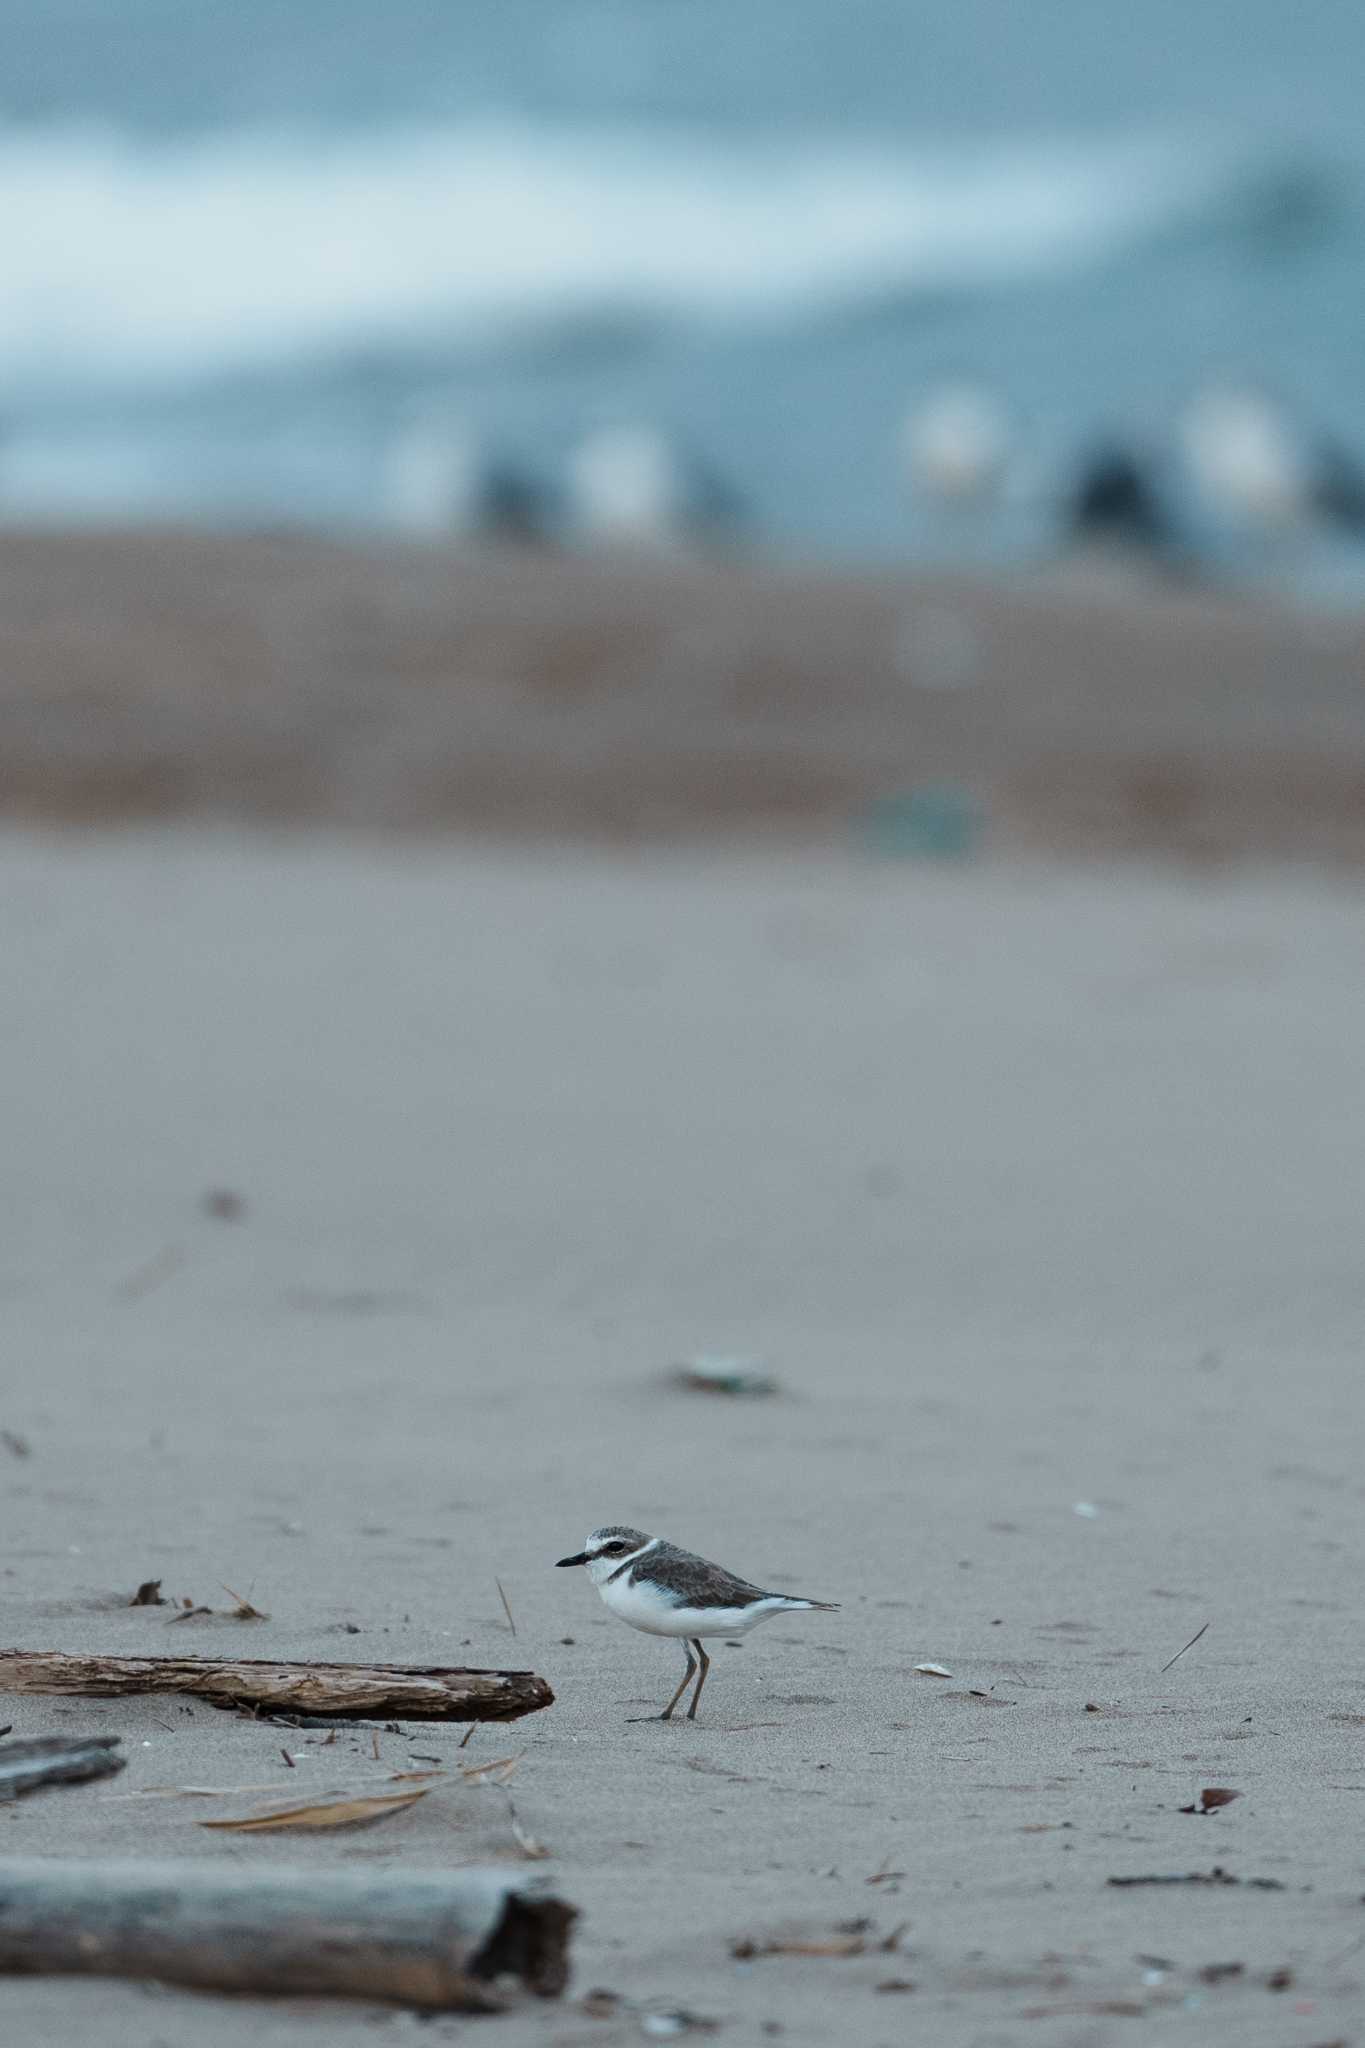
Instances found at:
x=939 y=821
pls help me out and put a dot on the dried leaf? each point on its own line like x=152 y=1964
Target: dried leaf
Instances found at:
x=148 y=1594
x=1211 y=1798
x=336 y=1813
x=932 y=1671
x=834 y=1945
x=243 y=1611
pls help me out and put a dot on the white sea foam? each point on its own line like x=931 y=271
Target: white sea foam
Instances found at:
x=128 y=259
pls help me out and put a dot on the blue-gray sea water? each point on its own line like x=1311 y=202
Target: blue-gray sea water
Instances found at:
x=247 y=241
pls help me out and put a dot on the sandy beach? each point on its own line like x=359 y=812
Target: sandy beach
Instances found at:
x=284 y=679
x=509 y=940
x=1034 y=1185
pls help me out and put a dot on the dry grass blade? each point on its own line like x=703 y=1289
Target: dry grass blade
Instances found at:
x=273 y=1785
x=335 y=1813
x=505 y=1608
x=531 y=1849
x=834 y=1945
x=243 y=1611
x=1189 y=1646
x=498 y=1770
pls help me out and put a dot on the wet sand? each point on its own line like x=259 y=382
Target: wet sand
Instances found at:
x=290 y=680
x=1038 y=1187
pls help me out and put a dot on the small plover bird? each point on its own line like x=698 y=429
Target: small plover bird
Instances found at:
x=666 y=1591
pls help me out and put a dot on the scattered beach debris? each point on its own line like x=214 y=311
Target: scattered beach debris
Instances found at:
x=1211 y=1798
x=32 y=1761
x=895 y=1984
x=1189 y=1646
x=149 y=1594
x=746 y=1950
x=666 y=2026
x=18 y=1446
x=933 y=1671
x=434 y=1939
x=326 y=1813
x=496 y=1768
x=745 y=1379
x=243 y=1611
x=939 y=821
x=1216 y=1876
x=847 y=1938
x=414 y=1692
x=1221 y=1973
x=223 y=1204
x=154 y=1273
x=1087 y=2008
x=190 y=1610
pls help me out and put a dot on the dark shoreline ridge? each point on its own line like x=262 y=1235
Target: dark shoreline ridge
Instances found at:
x=292 y=680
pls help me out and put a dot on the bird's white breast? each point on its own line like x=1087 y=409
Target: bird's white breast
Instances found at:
x=641 y=1603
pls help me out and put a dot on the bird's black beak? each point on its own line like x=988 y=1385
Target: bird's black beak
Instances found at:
x=581 y=1558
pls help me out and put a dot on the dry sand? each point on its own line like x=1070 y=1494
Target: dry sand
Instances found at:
x=1037 y=1188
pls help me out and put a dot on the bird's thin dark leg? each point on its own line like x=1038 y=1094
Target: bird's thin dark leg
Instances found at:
x=667 y=1713
x=704 y=1666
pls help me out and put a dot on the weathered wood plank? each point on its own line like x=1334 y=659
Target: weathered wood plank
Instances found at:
x=409 y=1692
x=436 y=1939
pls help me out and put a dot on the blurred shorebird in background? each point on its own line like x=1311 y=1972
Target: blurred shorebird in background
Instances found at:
x=439 y=483
x=635 y=487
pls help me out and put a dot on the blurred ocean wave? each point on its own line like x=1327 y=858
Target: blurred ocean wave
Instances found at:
x=132 y=261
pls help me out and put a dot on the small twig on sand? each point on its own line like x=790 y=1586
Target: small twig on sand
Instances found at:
x=1189 y=1646
x=505 y=1608
x=167 y=1261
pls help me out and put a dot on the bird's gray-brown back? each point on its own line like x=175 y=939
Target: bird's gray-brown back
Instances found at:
x=692 y=1581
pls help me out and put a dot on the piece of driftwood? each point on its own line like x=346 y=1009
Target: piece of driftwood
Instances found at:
x=438 y=1939
x=407 y=1692
x=56 y=1760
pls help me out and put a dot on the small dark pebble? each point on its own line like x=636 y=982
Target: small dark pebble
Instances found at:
x=1280 y=1980
x=224 y=1205
x=895 y=1984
